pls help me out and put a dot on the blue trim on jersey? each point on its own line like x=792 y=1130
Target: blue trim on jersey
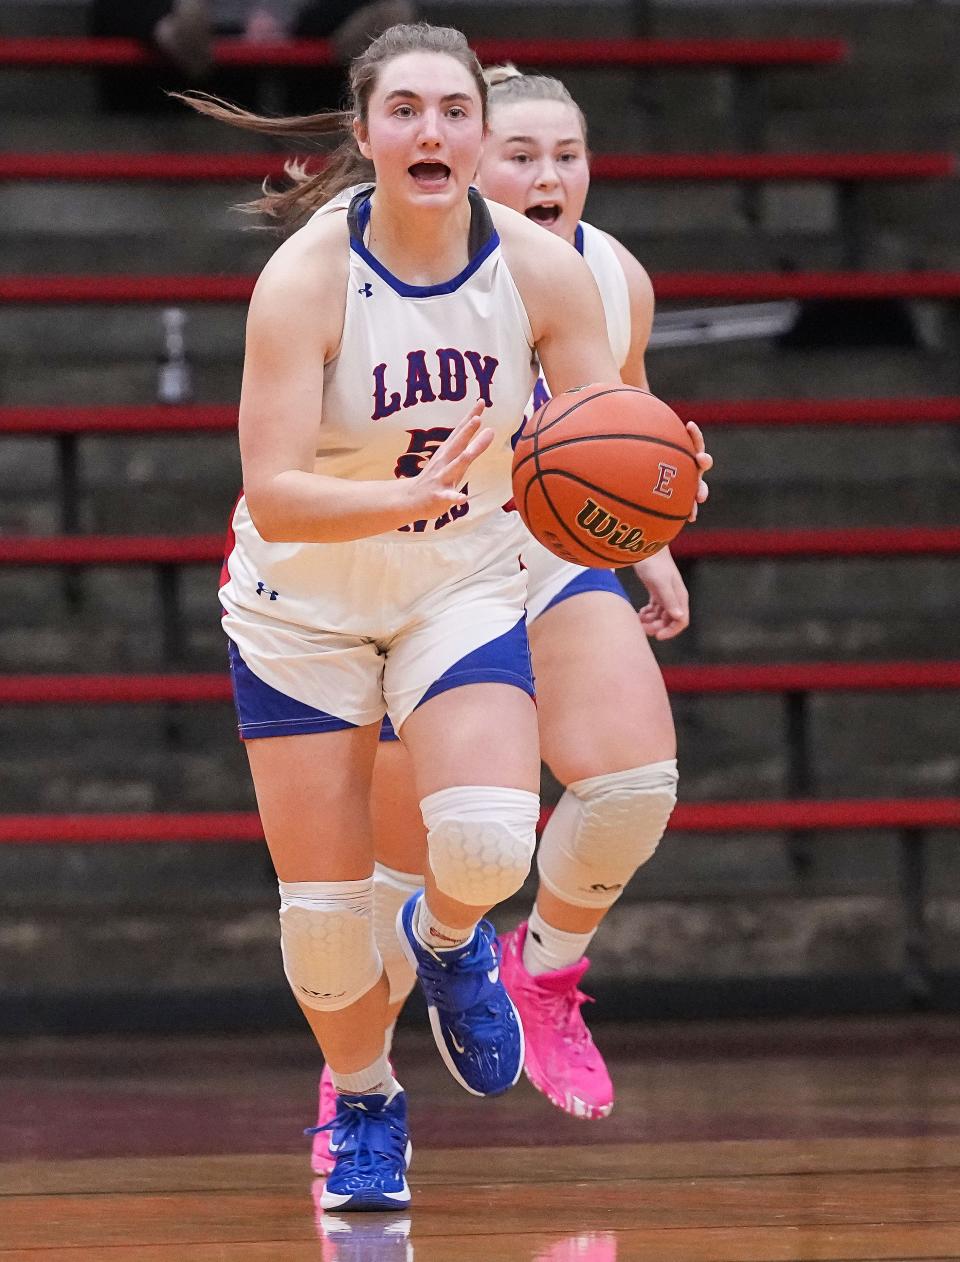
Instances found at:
x=418 y=291
x=578 y=238
x=265 y=711
x=505 y=660
x=588 y=581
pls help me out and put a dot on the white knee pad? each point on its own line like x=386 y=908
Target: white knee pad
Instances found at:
x=603 y=829
x=326 y=937
x=480 y=841
x=391 y=889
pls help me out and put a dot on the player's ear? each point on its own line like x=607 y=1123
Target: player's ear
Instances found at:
x=360 y=136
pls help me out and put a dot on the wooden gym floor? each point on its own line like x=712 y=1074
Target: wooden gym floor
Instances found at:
x=731 y=1142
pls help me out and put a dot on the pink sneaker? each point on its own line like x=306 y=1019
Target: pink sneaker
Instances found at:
x=321 y=1162
x=561 y=1059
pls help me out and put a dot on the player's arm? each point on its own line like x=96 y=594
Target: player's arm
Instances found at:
x=294 y=326
x=667 y=611
x=640 y=291
x=562 y=302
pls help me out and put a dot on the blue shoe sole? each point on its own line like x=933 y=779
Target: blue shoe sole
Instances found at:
x=437 y=1029
x=370 y=1199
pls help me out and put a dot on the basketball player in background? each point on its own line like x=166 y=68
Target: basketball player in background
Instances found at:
x=606 y=728
x=372 y=569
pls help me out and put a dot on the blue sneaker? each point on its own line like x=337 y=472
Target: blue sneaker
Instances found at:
x=371 y=1152
x=475 y=1025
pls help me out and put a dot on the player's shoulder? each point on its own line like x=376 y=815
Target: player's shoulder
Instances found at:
x=536 y=258
x=309 y=261
x=638 y=278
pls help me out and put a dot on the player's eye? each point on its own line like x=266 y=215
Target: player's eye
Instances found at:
x=568 y=157
x=403 y=111
x=457 y=111
x=522 y=158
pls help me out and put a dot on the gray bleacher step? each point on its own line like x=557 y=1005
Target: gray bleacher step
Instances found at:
x=110 y=335
x=758 y=369
x=97 y=132
x=114 y=380
x=152 y=758
x=153 y=950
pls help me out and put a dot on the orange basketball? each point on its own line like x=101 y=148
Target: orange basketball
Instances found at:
x=604 y=475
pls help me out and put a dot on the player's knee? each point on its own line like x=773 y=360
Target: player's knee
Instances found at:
x=604 y=829
x=391 y=889
x=326 y=937
x=480 y=841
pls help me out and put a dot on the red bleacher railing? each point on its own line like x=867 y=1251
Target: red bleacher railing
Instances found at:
x=645 y=167
x=700 y=286
x=119 y=419
x=203 y=417
x=788 y=815
x=54 y=53
x=727 y=679
x=731 y=544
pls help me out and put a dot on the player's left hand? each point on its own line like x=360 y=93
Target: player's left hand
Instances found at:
x=667 y=611
x=705 y=462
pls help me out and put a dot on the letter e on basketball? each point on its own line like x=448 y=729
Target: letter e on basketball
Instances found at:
x=667 y=472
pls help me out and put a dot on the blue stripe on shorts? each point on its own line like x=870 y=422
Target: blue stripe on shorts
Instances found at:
x=588 y=581
x=265 y=711
x=505 y=660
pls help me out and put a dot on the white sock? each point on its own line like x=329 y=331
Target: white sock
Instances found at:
x=376 y=1079
x=435 y=934
x=546 y=949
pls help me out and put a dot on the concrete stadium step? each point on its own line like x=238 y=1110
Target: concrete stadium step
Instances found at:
x=126 y=484
x=126 y=133
x=118 y=334
x=155 y=758
x=736 y=370
x=110 y=618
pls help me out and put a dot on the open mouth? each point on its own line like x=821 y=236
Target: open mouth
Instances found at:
x=547 y=214
x=430 y=174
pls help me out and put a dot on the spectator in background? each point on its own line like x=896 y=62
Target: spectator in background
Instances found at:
x=182 y=31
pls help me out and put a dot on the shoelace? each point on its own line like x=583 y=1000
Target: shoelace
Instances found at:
x=372 y=1135
x=562 y=1011
x=435 y=975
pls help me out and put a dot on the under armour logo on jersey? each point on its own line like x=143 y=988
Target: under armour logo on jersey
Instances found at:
x=366 y=290
x=264 y=590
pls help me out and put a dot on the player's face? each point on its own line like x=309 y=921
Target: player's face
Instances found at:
x=424 y=128
x=534 y=160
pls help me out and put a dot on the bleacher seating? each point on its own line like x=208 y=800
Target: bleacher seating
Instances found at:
x=910 y=817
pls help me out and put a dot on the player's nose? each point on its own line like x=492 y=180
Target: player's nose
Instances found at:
x=429 y=128
x=547 y=176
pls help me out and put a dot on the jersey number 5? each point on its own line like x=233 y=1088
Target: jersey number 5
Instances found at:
x=423 y=443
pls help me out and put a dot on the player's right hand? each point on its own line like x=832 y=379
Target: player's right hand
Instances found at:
x=437 y=487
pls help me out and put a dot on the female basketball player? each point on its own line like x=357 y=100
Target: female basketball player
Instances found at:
x=372 y=569
x=605 y=724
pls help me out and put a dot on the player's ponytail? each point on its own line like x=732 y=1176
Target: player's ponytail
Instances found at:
x=507 y=84
x=309 y=189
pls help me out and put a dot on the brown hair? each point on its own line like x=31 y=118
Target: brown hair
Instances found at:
x=310 y=190
x=507 y=84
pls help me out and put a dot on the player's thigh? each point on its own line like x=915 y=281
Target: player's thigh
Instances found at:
x=484 y=733
x=313 y=794
x=600 y=695
x=399 y=837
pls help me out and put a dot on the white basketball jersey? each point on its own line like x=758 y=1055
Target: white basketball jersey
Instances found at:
x=599 y=256
x=414 y=359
